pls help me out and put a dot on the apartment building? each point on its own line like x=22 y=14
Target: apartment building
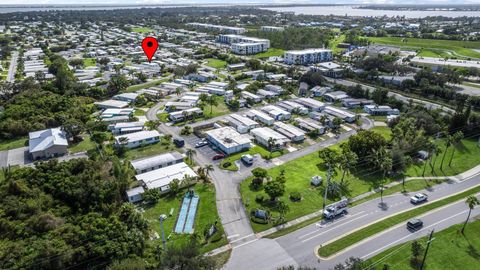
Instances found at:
x=308 y=56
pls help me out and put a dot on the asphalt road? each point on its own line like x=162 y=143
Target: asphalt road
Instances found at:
x=13 y=67
x=299 y=247
x=234 y=217
x=404 y=99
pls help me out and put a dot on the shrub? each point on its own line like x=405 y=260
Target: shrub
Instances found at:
x=295 y=196
x=259 y=198
x=227 y=164
x=217 y=236
x=257 y=183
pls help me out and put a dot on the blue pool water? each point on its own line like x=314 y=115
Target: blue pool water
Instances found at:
x=182 y=216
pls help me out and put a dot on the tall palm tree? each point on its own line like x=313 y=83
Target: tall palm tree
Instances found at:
x=435 y=152
x=212 y=102
x=271 y=143
x=208 y=168
x=190 y=153
x=382 y=158
x=347 y=159
x=429 y=147
x=471 y=201
x=457 y=138
x=448 y=143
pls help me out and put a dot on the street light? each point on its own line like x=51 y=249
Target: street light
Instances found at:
x=162 y=218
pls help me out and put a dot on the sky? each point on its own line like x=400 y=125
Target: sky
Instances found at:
x=133 y=2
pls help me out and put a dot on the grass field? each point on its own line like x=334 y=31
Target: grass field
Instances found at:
x=85 y=145
x=151 y=83
x=433 y=47
x=150 y=150
x=142 y=30
x=450 y=250
x=216 y=63
x=466 y=157
x=89 y=62
x=252 y=151
x=299 y=172
x=352 y=238
x=206 y=214
x=271 y=52
x=15 y=143
x=218 y=110
x=334 y=43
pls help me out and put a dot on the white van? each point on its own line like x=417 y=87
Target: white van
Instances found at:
x=247 y=159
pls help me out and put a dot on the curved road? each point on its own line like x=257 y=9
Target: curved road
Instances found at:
x=230 y=207
x=298 y=248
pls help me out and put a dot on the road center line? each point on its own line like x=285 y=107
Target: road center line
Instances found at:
x=315 y=231
x=310 y=238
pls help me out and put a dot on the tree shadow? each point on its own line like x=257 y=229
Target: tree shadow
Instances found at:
x=383 y=206
x=473 y=252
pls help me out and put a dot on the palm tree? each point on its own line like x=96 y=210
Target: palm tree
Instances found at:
x=429 y=147
x=347 y=159
x=271 y=143
x=382 y=159
x=457 y=138
x=437 y=150
x=471 y=201
x=212 y=102
x=190 y=153
x=448 y=143
x=185 y=116
x=208 y=168
x=282 y=209
x=178 y=91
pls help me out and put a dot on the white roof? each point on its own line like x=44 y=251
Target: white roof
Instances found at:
x=267 y=133
x=127 y=95
x=163 y=176
x=338 y=112
x=44 y=139
x=150 y=162
x=307 y=51
x=291 y=130
x=138 y=136
x=228 y=137
x=112 y=103
x=135 y=191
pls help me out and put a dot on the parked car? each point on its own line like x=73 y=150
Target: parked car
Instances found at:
x=247 y=159
x=201 y=143
x=218 y=156
x=418 y=198
x=414 y=224
x=179 y=142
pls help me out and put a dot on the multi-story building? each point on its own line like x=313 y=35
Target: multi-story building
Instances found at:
x=309 y=56
x=272 y=29
x=219 y=28
x=245 y=45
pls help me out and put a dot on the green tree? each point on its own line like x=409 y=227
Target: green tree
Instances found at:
x=471 y=201
x=348 y=159
x=190 y=153
x=212 y=101
x=282 y=208
x=274 y=189
x=185 y=256
x=118 y=83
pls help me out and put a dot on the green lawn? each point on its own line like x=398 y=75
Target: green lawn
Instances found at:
x=386 y=132
x=252 y=151
x=216 y=63
x=450 y=250
x=206 y=215
x=334 y=43
x=142 y=30
x=271 y=52
x=433 y=46
x=299 y=172
x=218 y=110
x=14 y=143
x=139 y=112
x=85 y=145
x=355 y=237
x=151 y=83
x=150 y=150
x=163 y=117
x=466 y=157
x=89 y=62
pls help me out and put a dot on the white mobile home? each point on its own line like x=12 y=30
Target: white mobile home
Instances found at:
x=293 y=133
x=260 y=116
x=263 y=135
x=138 y=139
x=276 y=112
x=241 y=123
x=156 y=162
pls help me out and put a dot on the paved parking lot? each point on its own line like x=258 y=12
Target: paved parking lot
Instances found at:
x=207 y=151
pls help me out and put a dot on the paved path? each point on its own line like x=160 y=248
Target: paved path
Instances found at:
x=299 y=246
x=232 y=212
x=13 y=67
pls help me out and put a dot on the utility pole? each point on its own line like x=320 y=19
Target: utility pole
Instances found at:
x=162 y=218
x=430 y=239
x=329 y=174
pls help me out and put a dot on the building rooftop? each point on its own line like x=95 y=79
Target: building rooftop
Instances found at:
x=228 y=136
x=163 y=176
x=150 y=162
x=44 y=139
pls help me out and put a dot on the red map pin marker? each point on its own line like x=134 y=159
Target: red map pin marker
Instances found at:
x=149 y=46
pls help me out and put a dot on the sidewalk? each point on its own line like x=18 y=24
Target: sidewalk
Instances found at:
x=457 y=178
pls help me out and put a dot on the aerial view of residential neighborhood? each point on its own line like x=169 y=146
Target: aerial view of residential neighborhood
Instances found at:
x=289 y=135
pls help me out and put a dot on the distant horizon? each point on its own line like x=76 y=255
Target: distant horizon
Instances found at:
x=137 y=3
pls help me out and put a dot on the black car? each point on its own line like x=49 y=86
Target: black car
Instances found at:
x=414 y=224
x=179 y=142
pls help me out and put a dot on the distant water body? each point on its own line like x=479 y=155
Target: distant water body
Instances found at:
x=354 y=11
x=338 y=10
